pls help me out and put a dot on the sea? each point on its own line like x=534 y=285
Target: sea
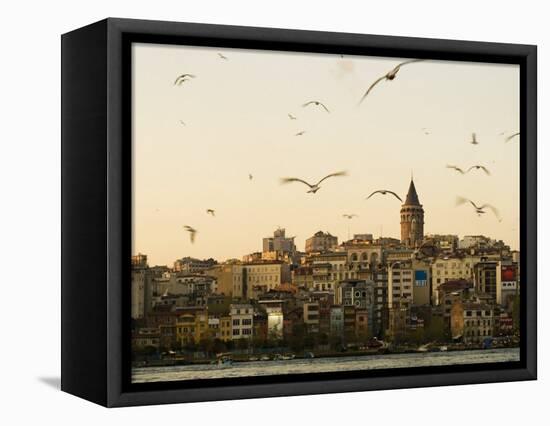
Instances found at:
x=322 y=365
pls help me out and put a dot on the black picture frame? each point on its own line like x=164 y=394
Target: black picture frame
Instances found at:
x=96 y=211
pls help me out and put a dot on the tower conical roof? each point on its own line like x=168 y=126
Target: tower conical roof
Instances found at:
x=412 y=196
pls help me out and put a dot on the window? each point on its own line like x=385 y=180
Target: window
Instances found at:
x=236 y=332
x=236 y=322
x=247 y=321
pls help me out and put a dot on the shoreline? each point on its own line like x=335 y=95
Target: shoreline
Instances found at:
x=242 y=358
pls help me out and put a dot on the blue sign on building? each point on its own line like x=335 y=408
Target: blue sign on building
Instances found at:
x=420 y=278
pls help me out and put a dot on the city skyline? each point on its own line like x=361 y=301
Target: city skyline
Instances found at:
x=419 y=123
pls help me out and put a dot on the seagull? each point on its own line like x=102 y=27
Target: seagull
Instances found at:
x=222 y=56
x=509 y=138
x=312 y=188
x=300 y=133
x=183 y=123
x=211 y=211
x=192 y=232
x=458 y=169
x=389 y=76
x=349 y=216
x=291 y=116
x=477 y=167
x=425 y=130
x=317 y=103
x=479 y=209
x=474 y=140
x=250 y=177
x=182 y=78
x=384 y=192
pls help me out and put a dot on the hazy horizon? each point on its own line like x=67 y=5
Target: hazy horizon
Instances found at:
x=236 y=123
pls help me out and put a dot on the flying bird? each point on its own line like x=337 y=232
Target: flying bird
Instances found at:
x=291 y=116
x=349 y=216
x=479 y=209
x=316 y=103
x=425 y=130
x=192 y=232
x=183 y=123
x=222 y=56
x=389 y=76
x=474 y=140
x=211 y=211
x=300 y=133
x=250 y=177
x=183 y=78
x=477 y=167
x=312 y=188
x=509 y=138
x=384 y=192
x=458 y=169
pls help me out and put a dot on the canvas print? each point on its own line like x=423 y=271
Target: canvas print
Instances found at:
x=297 y=213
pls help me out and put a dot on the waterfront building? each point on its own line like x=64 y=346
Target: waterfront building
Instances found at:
x=478 y=321
x=311 y=316
x=146 y=338
x=337 y=320
x=242 y=321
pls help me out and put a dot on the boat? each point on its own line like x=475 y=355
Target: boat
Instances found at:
x=264 y=358
x=253 y=358
x=309 y=355
x=288 y=357
x=423 y=348
x=443 y=348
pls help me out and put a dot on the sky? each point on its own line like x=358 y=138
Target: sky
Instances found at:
x=236 y=123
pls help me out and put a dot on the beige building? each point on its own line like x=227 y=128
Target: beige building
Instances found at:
x=329 y=269
x=321 y=242
x=451 y=269
x=242 y=321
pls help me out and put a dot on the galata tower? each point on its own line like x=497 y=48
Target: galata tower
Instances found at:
x=412 y=219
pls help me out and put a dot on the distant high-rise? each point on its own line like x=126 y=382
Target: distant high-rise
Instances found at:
x=412 y=219
x=279 y=243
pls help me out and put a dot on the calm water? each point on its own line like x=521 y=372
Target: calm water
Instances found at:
x=318 y=365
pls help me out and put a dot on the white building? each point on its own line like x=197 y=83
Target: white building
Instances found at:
x=242 y=321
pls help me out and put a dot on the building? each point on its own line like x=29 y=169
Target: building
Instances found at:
x=321 y=242
x=190 y=265
x=485 y=279
x=302 y=277
x=311 y=316
x=230 y=279
x=242 y=321
x=146 y=338
x=444 y=243
x=451 y=268
x=261 y=277
x=359 y=294
x=478 y=322
x=225 y=328
x=337 y=320
x=279 y=243
x=507 y=283
x=329 y=269
x=140 y=287
x=412 y=219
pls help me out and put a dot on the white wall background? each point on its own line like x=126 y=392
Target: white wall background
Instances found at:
x=30 y=210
